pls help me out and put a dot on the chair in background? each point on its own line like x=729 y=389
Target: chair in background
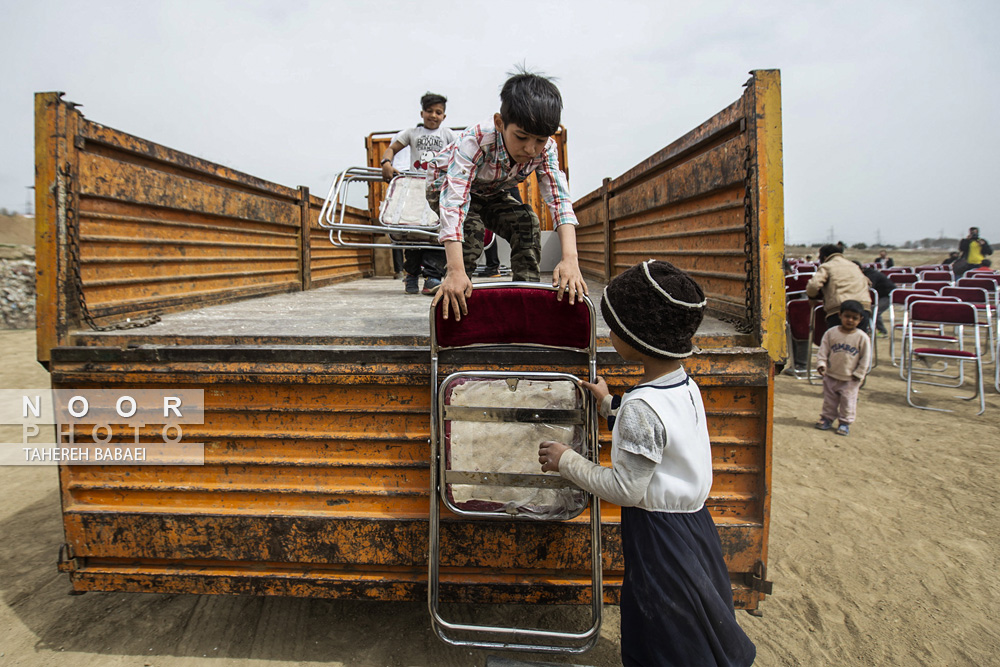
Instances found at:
x=984 y=304
x=938 y=274
x=901 y=279
x=987 y=283
x=926 y=333
x=798 y=312
x=898 y=298
x=797 y=282
x=942 y=314
x=817 y=327
x=935 y=285
x=873 y=295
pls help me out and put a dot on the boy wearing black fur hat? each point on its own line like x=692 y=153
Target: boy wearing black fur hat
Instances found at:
x=469 y=182
x=842 y=360
x=676 y=601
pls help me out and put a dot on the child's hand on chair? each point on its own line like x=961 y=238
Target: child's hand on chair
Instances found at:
x=599 y=389
x=549 y=453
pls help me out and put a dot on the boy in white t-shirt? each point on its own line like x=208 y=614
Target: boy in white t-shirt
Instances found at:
x=424 y=140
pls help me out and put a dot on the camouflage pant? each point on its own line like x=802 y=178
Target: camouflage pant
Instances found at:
x=510 y=220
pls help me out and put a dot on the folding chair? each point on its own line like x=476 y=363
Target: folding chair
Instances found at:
x=989 y=283
x=939 y=275
x=485 y=435
x=798 y=313
x=405 y=215
x=979 y=298
x=817 y=327
x=935 y=285
x=903 y=279
x=898 y=298
x=934 y=334
x=797 y=283
x=873 y=295
x=944 y=314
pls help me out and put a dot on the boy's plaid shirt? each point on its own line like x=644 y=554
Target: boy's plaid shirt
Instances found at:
x=478 y=163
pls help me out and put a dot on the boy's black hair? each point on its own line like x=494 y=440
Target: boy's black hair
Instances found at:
x=829 y=249
x=429 y=99
x=532 y=102
x=852 y=306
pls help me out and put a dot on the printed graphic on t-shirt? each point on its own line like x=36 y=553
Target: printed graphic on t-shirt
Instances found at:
x=844 y=347
x=426 y=146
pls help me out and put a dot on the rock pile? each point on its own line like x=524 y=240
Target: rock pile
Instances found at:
x=17 y=287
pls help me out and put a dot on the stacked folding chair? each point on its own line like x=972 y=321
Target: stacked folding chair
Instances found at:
x=486 y=426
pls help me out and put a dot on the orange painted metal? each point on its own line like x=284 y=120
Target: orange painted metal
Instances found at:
x=160 y=230
x=320 y=475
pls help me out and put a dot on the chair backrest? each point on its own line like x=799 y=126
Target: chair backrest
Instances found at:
x=983 y=275
x=819 y=324
x=903 y=278
x=980 y=283
x=935 y=285
x=796 y=283
x=898 y=296
x=913 y=298
x=791 y=296
x=797 y=314
x=938 y=312
x=967 y=294
x=515 y=314
x=947 y=276
x=926 y=267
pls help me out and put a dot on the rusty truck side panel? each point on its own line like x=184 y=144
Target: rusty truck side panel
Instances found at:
x=710 y=203
x=316 y=446
x=158 y=230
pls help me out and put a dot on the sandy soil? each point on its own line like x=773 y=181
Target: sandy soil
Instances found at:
x=882 y=552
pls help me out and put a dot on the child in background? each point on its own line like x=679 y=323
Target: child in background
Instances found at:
x=676 y=600
x=424 y=141
x=842 y=360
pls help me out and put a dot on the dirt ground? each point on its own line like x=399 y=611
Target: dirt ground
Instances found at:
x=882 y=552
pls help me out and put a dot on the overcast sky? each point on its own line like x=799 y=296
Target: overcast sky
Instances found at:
x=890 y=108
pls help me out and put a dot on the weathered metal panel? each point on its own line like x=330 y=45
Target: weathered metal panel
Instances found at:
x=51 y=149
x=329 y=264
x=319 y=472
x=160 y=230
x=711 y=203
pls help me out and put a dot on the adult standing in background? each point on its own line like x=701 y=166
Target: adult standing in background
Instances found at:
x=840 y=280
x=883 y=286
x=973 y=251
x=883 y=260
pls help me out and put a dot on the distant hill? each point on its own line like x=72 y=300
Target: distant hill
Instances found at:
x=17 y=230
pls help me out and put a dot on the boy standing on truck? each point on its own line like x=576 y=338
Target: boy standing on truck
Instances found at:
x=424 y=141
x=843 y=358
x=468 y=189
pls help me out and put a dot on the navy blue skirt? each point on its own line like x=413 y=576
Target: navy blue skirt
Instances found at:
x=677 y=604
